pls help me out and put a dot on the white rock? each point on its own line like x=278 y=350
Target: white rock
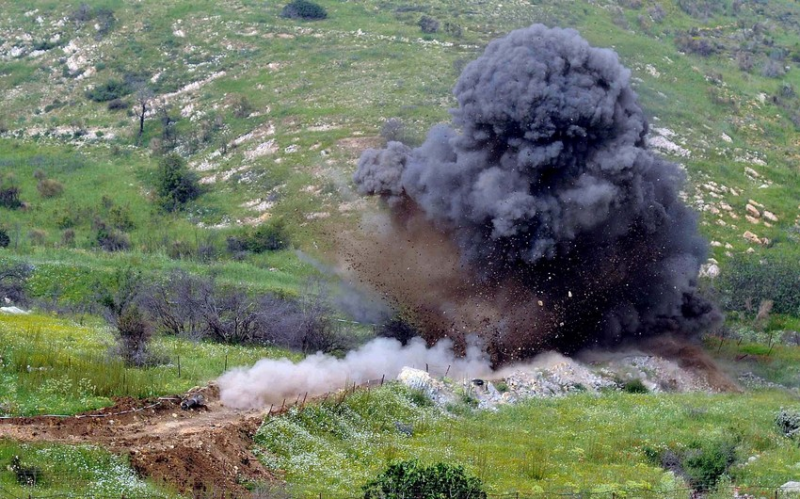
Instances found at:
x=709 y=270
x=791 y=487
x=13 y=311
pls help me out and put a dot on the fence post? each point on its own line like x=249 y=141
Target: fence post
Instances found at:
x=226 y=362
x=383 y=376
x=179 y=366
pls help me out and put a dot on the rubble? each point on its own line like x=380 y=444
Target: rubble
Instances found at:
x=554 y=375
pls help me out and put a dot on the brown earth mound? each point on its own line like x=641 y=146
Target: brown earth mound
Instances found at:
x=204 y=451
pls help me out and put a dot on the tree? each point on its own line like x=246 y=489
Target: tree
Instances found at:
x=143 y=97
x=428 y=24
x=176 y=183
x=410 y=479
x=120 y=299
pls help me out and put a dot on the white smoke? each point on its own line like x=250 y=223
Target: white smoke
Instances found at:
x=272 y=381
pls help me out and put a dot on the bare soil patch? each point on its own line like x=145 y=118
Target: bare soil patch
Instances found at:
x=201 y=451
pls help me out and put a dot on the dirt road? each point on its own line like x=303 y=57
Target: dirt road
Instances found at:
x=204 y=451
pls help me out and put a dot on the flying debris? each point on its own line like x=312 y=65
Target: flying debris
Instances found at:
x=539 y=218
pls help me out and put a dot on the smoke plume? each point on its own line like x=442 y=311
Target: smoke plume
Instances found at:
x=540 y=218
x=272 y=381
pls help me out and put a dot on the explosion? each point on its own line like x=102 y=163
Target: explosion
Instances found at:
x=539 y=219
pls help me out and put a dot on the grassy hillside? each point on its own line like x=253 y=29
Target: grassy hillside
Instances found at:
x=270 y=114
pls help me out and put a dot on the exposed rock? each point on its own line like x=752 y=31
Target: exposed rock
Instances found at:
x=790 y=489
x=420 y=380
x=13 y=311
x=710 y=270
x=751 y=173
x=716 y=244
x=750 y=237
x=752 y=210
x=755 y=203
x=725 y=206
x=752 y=220
x=770 y=216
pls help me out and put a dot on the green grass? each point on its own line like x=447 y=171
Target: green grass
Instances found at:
x=579 y=443
x=72 y=471
x=367 y=62
x=55 y=366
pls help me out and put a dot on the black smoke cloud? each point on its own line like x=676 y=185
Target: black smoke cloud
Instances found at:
x=544 y=185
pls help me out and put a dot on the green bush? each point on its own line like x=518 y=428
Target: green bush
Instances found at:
x=303 y=9
x=270 y=236
x=411 y=479
x=111 y=239
x=704 y=466
x=750 y=281
x=634 y=386
x=5 y=240
x=49 y=188
x=176 y=183
x=108 y=91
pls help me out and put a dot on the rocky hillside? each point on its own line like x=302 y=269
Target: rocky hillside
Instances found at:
x=271 y=112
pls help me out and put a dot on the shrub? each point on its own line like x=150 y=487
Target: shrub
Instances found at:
x=9 y=197
x=411 y=479
x=38 y=237
x=68 y=238
x=303 y=9
x=270 y=236
x=692 y=43
x=134 y=334
x=753 y=280
x=5 y=240
x=13 y=280
x=788 y=423
x=176 y=184
x=27 y=476
x=111 y=239
x=428 y=24
x=108 y=91
x=702 y=9
x=175 y=304
x=49 y=188
x=657 y=13
x=242 y=108
x=704 y=466
x=634 y=386
x=118 y=105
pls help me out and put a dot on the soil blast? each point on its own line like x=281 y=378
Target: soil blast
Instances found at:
x=539 y=219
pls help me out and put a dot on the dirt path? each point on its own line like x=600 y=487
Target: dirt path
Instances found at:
x=201 y=451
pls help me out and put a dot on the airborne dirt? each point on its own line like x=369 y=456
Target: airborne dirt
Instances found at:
x=201 y=451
